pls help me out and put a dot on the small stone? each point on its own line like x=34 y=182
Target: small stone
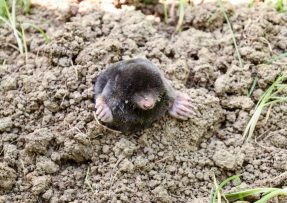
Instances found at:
x=48 y=194
x=64 y=62
x=40 y=184
x=5 y=123
x=10 y=153
x=257 y=94
x=141 y=162
x=106 y=149
x=51 y=106
x=54 y=199
x=2 y=199
x=126 y=166
x=3 y=69
x=200 y=200
x=162 y=195
x=8 y=83
x=7 y=177
x=55 y=156
x=68 y=195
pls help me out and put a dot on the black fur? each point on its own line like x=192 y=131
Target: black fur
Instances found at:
x=120 y=82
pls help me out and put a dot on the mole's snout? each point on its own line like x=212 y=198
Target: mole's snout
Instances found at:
x=147 y=106
x=148 y=103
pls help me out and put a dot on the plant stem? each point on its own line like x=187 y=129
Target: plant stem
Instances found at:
x=232 y=32
x=272 y=194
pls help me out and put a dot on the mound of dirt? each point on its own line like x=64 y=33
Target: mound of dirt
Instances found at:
x=53 y=150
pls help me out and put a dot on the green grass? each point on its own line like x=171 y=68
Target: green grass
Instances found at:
x=270 y=61
x=165 y=11
x=216 y=193
x=17 y=27
x=268 y=95
x=25 y=5
x=250 y=3
x=276 y=58
x=271 y=96
x=266 y=193
x=11 y=21
x=219 y=2
x=3 y=8
x=182 y=6
x=43 y=33
x=279 y=5
x=24 y=41
x=253 y=86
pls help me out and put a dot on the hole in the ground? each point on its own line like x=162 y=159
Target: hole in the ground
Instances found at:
x=194 y=56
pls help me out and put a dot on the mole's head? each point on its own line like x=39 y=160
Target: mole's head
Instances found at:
x=141 y=85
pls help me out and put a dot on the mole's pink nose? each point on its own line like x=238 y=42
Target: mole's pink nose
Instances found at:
x=147 y=105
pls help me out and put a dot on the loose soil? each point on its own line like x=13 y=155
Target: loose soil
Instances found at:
x=53 y=150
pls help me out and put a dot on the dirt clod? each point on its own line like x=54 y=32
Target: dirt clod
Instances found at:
x=225 y=159
x=40 y=184
x=7 y=177
x=5 y=123
x=38 y=141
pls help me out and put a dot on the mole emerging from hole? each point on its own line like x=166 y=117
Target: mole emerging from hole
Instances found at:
x=130 y=95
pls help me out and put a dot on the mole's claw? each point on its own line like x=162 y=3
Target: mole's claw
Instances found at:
x=182 y=107
x=177 y=115
x=102 y=114
x=107 y=118
x=99 y=110
x=106 y=115
x=103 y=111
x=188 y=114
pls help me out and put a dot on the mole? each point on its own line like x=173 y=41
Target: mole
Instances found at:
x=130 y=95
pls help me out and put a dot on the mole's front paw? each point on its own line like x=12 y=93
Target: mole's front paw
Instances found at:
x=103 y=112
x=181 y=107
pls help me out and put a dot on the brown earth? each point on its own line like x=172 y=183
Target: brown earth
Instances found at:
x=53 y=150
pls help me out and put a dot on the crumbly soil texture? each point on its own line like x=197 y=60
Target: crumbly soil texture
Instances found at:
x=52 y=149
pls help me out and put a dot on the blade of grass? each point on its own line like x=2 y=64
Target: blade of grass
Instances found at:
x=182 y=5
x=217 y=191
x=251 y=126
x=165 y=11
x=250 y=3
x=271 y=96
x=26 y=4
x=253 y=85
x=272 y=194
x=279 y=5
x=232 y=32
x=276 y=57
x=40 y=30
x=270 y=61
x=5 y=21
x=246 y=193
x=88 y=182
x=3 y=12
x=24 y=42
x=221 y=185
x=12 y=19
